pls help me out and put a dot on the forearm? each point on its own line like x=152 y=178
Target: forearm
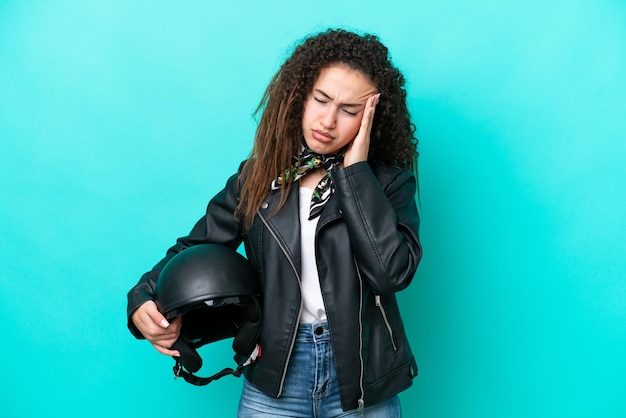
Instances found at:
x=382 y=223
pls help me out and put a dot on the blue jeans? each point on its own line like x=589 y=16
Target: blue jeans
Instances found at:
x=310 y=389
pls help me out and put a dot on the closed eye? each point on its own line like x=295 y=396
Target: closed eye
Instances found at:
x=323 y=98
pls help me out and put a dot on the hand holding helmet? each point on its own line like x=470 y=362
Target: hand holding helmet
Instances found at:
x=156 y=329
x=209 y=293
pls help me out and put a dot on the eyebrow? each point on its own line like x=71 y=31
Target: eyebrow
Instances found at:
x=323 y=93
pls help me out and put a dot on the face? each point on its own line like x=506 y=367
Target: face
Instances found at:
x=334 y=108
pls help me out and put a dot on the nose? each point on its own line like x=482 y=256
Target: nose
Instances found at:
x=328 y=117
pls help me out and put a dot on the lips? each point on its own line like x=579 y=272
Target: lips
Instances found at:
x=321 y=136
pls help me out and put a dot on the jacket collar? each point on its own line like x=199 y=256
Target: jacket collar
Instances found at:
x=285 y=224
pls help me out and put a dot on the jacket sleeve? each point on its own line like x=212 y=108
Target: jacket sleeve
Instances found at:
x=217 y=226
x=383 y=223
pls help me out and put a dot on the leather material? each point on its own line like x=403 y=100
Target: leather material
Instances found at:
x=368 y=249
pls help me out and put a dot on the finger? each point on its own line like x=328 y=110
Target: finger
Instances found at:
x=170 y=333
x=166 y=351
x=368 y=114
x=154 y=331
x=148 y=316
x=166 y=340
x=157 y=317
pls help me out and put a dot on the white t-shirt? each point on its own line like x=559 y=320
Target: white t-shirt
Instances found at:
x=313 y=305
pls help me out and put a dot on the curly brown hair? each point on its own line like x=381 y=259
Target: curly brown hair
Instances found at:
x=279 y=134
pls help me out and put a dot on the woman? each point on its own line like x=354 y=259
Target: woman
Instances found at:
x=325 y=207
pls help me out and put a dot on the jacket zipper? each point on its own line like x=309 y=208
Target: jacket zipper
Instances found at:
x=361 y=402
x=387 y=324
x=293 y=339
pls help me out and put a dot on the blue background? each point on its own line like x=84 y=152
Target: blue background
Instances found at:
x=120 y=119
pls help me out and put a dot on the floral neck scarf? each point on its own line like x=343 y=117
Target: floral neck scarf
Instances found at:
x=303 y=164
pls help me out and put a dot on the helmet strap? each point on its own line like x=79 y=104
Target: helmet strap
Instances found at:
x=179 y=371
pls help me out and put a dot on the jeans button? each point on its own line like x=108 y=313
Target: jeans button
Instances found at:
x=319 y=331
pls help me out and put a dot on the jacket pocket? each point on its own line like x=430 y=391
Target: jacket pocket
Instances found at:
x=381 y=307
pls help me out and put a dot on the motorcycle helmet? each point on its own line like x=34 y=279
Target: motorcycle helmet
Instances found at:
x=217 y=292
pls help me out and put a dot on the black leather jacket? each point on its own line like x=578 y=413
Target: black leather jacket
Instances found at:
x=367 y=249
